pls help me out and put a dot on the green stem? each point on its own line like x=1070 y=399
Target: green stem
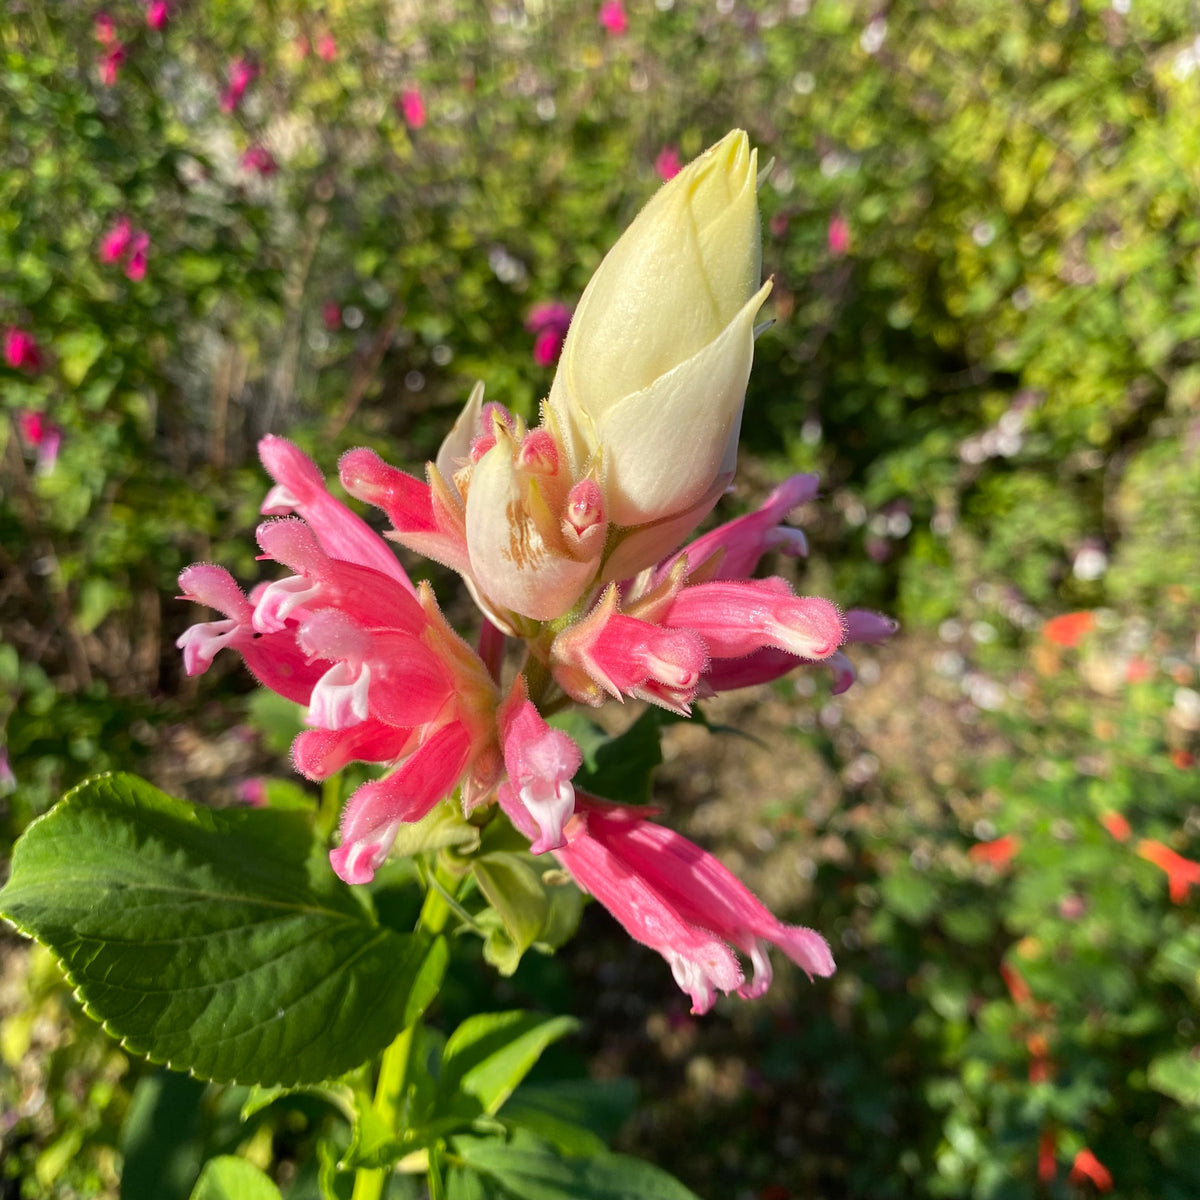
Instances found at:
x=370 y=1183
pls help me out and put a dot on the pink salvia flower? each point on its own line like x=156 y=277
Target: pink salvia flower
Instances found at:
x=157 y=12
x=412 y=108
x=737 y=617
x=259 y=160
x=742 y=542
x=668 y=164
x=547 y=346
x=679 y=900
x=135 y=265
x=385 y=679
x=21 y=350
x=838 y=236
x=110 y=64
x=242 y=73
x=540 y=763
x=327 y=47
x=44 y=435
x=613 y=18
x=115 y=243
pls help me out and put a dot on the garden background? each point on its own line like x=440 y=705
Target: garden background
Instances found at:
x=223 y=218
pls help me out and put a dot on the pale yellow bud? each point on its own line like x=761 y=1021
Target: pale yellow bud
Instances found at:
x=653 y=372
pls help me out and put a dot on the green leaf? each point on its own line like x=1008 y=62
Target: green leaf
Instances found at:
x=218 y=942
x=230 y=1178
x=490 y=1053
x=529 y=1170
x=576 y=1115
x=77 y=350
x=1177 y=1075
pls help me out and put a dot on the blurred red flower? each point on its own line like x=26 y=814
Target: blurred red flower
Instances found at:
x=1069 y=629
x=998 y=853
x=1117 y=825
x=1182 y=873
x=1088 y=1167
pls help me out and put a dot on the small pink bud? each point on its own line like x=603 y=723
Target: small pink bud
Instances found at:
x=538 y=453
x=585 y=506
x=135 y=267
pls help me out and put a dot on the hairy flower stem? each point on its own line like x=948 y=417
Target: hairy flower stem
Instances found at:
x=371 y=1183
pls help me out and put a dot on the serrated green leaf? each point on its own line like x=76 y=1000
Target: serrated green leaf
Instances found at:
x=218 y=942
x=230 y=1178
x=530 y=1170
x=489 y=1054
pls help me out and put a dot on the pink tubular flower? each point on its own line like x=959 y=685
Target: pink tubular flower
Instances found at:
x=540 y=763
x=242 y=73
x=384 y=677
x=157 y=12
x=668 y=163
x=412 y=108
x=135 y=266
x=613 y=18
x=110 y=64
x=21 y=350
x=115 y=243
x=838 y=236
x=43 y=435
x=259 y=160
x=675 y=898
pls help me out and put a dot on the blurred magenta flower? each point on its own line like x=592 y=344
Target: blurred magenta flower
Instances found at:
x=8 y=781
x=115 y=243
x=548 y=322
x=43 y=435
x=412 y=108
x=21 y=350
x=667 y=164
x=242 y=73
x=259 y=160
x=779 y=224
x=838 y=235
x=327 y=47
x=105 y=29
x=110 y=64
x=252 y=792
x=331 y=315
x=135 y=266
x=613 y=17
x=156 y=14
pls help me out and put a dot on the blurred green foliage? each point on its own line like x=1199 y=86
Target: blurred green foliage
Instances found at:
x=994 y=362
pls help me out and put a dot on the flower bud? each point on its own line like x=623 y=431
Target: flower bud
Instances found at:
x=654 y=367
